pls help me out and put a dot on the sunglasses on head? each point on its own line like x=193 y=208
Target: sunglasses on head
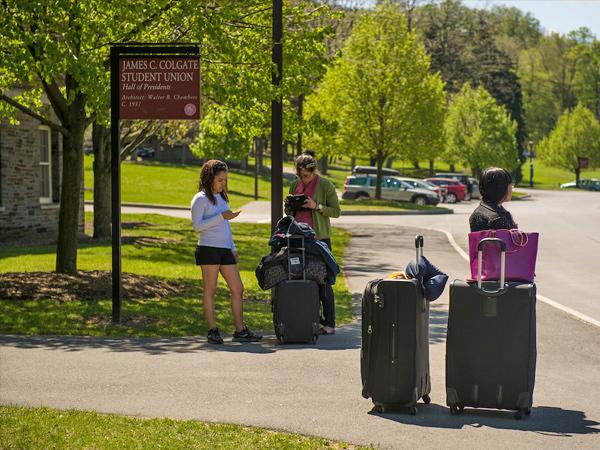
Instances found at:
x=218 y=167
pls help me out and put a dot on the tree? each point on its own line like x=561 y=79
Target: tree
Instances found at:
x=587 y=77
x=479 y=132
x=547 y=73
x=379 y=95
x=60 y=49
x=576 y=135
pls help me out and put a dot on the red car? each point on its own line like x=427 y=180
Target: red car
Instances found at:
x=456 y=190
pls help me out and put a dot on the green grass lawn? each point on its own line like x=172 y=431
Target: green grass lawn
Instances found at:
x=383 y=205
x=171 y=184
x=546 y=177
x=160 y=247
x=34 y=428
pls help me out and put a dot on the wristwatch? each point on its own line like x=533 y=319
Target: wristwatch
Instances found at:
x=320 y=208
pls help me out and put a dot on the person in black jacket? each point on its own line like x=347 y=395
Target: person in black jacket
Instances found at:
x=495 y=186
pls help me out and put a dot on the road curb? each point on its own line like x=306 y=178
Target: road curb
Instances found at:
x=396 y=213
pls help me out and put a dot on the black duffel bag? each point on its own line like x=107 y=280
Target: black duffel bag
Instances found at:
x=275 y=268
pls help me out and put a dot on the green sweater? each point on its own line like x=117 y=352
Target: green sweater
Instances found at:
x=325 y=195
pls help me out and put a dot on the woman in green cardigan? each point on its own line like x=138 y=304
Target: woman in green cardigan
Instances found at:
x=322 y=204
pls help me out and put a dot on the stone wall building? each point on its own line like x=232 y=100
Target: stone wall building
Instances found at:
x=30 y=174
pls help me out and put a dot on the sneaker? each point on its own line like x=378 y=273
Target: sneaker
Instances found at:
x=214 y=337
x=246 y=335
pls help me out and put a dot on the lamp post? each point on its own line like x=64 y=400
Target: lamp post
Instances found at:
x=277 y=118
x=530 y=164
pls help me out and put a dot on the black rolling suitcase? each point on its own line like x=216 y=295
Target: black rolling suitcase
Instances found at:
x=491 y=343
x=395 y=343
x=295 y=303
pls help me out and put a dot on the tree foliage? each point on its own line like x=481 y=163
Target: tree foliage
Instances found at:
x=379 y=98
x=479 y=132
x=576 y=135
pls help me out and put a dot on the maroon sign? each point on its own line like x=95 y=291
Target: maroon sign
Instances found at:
x=584 y=163
x=159 y=88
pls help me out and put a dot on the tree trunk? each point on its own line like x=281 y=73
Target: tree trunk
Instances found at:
x=416 y=165
x=300 y=112
x=244 y=163
x=256 y=144
x=372 y=161
x=72 y=177
x=352 y=162
x=389 y=162
x=324 y=165
x=260 y=153
x=452 y=168
x=431 y=168
x=379 y=160
x=102 y=181
x=577 y=174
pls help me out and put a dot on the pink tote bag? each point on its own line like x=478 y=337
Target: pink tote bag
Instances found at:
x=521 y=255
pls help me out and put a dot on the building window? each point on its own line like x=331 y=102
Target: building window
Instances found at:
x=45 y=164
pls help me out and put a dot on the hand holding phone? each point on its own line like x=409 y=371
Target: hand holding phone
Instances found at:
x=229 y=215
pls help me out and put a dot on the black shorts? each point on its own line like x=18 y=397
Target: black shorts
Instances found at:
x=206 y=255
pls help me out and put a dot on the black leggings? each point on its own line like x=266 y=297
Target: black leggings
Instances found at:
x=327 y=299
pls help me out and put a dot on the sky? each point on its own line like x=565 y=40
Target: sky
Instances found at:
x=559 y=16
x=554 y=15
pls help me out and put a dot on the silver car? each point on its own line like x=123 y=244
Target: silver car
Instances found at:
x=392 y=188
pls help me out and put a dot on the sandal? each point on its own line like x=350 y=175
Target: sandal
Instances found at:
x=327 y=330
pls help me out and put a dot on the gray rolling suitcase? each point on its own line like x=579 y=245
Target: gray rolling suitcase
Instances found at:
x=295 y=303
x=395 y=343
x=491 y=343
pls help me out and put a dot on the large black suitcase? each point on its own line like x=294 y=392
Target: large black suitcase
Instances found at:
x=491 y=343
x=395 y=343
x=295 y=303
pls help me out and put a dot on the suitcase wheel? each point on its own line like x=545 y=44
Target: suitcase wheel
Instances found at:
x=520 y=413
x=412 y=410
x=380 y=409
x=281 y=338
x=426 y=399
x=454 y=410
x=314 y=339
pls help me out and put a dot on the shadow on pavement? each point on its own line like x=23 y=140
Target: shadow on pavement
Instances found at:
x=346 y=337
x=438 y=322
x=547 y=420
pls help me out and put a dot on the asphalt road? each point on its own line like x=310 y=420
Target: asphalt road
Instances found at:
x=568 y=264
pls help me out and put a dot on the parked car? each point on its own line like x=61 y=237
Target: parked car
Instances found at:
x=464 y=179
x=442 y=191
x=475 y=188
x=456 y=190
x=372 y=170
x=145 y=152
x=363 y=186
x=589 y=184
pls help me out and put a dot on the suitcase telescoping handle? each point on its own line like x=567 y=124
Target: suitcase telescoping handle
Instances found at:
x=480 y=246
x=419 y=246
x=303 y=249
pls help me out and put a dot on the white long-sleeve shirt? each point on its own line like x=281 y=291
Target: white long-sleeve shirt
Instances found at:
x=208 y=221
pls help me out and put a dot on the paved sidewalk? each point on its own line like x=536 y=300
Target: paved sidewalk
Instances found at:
x=313 y=390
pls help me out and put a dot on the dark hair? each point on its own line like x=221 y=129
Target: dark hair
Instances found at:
x=305 y=161
x=493 y=184
x=207 y=175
